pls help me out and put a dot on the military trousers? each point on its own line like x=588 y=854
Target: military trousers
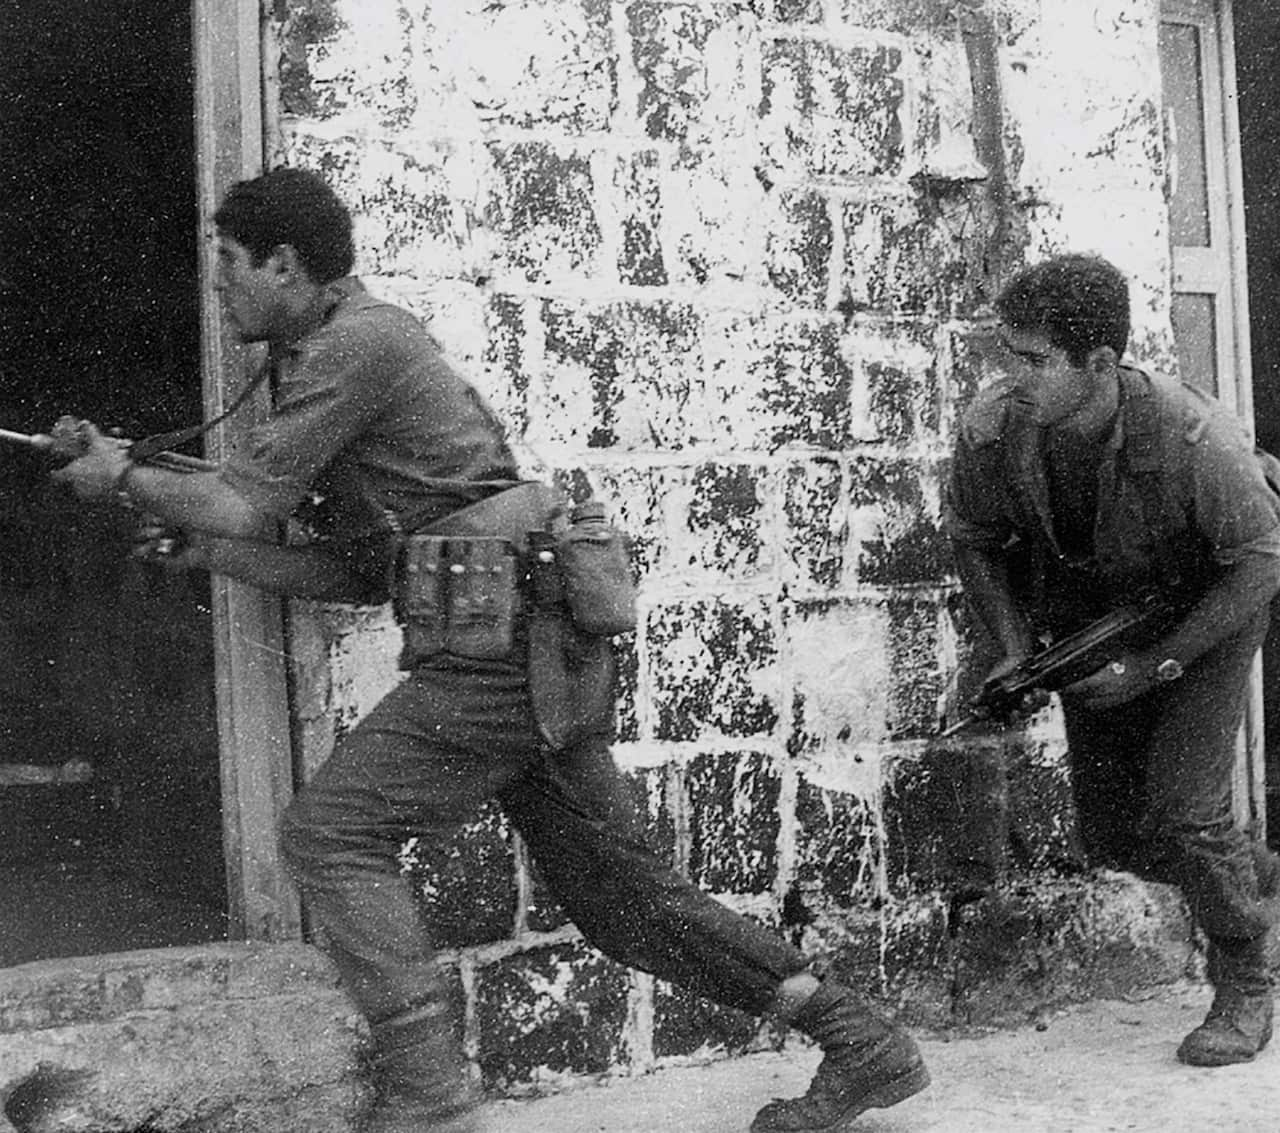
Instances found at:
x=1153 y=787
x=421 y=764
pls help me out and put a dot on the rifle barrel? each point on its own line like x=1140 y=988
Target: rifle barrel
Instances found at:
x=31 y=440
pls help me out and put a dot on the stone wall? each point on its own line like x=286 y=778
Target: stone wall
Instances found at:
x=225 y=1038
x=725 y=263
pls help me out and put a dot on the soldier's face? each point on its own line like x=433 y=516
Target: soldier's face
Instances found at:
x=1053 y=391
x=251 y=294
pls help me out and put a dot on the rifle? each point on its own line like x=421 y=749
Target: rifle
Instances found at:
x=64 y=442
x=1066 y=661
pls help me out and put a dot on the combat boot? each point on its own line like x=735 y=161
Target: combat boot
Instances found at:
x=1239 y=1022
x=420 y=1076
x=868 y=1063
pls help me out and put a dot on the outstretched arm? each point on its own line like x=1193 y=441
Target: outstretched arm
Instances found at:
x=193 y=501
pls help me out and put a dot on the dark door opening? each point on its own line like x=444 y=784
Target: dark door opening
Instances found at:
x=110 y=822
x=1257 y=39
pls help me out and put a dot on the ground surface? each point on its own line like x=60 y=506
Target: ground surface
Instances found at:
x=1103 y=1067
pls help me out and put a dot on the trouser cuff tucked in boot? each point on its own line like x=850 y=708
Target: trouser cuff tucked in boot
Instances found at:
x=1239 y=1022
x=869 y=1063
x=420 y=1074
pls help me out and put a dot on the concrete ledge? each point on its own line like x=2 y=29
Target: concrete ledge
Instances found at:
x=225 y=1038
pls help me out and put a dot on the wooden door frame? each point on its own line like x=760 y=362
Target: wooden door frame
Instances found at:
x=1226 y=188
x=251 y=677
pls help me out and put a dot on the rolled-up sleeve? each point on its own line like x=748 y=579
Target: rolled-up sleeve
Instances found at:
x=327 y=395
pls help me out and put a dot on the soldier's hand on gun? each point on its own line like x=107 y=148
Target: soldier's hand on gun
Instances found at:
x=1033 y=700
x=1116 y=683
x=95 y=473
x=157 y=542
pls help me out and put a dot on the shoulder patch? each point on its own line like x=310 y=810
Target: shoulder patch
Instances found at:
x=1193 y=425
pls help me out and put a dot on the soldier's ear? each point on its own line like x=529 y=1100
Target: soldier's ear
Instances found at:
x=1102 y=361
x=287 y=264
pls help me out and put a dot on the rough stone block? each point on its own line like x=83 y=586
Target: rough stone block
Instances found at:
x=542 y=210
x=925 y=254
x=894 y=524
x=734 y=823
x=713 y=669
x=669 y=53
x=628 y=715
x=915 y=971
x=306 y=30
x=414 y=207
x=504 y=362
x=1043 y=941
x=466 y=883
x=225 y=1038
x=1042 y=814
x=529 y=65
x=838 y=848
x=695 y=527
x=623 y=376
x=640 y=259
x=339 y=58
x=687 y=1026
x=716 y=217
x=898 y=396
x=830 y=111
x=790 y=11
x=915 y=661
x=550 y=1012
x=798 y=252
x=817 y=525
x=724 y=520
x=836 y=650
x=946 y=819
x=920 y=18
x=776 y=385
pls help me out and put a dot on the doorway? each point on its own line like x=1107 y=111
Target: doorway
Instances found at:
x=110 y=817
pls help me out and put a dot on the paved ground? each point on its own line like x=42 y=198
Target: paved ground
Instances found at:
x=1100 y=1068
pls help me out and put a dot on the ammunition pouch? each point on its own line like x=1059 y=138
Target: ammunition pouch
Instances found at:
x=458 y=596
x=515 y=577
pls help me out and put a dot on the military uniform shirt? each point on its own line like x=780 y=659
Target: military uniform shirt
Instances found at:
x=1217 y=506
x=369 y=414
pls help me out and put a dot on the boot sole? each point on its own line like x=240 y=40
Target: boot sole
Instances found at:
x=882 y=1097
x=1212 y=1062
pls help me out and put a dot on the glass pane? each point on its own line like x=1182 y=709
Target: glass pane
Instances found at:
x=1184 y=99
x=1194 y=333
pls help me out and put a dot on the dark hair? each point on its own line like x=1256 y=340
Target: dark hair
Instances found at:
x=1077 y=302
x=294 y=207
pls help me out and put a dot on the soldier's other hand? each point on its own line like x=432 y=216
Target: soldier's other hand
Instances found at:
x=1031 y=701
x=95 y=473
x=169 y=547
x=1116 y=683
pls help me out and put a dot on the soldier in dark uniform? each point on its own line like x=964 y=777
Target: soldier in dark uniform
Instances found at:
x=1079 y=483
x=368 y=415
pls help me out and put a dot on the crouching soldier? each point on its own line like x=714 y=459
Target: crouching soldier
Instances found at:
x=1078 y=484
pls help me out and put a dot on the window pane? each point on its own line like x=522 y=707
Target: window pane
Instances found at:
x=1184 y=99
x=1193 y=331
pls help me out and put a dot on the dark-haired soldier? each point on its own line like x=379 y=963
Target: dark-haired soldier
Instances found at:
x=1078 y=483
x=370 y=417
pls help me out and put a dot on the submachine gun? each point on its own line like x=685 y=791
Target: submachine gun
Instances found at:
x=1068 y=660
